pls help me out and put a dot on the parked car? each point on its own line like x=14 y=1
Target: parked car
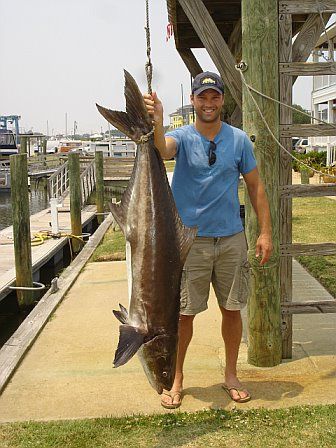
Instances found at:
x=301 y=146
x=294 y=141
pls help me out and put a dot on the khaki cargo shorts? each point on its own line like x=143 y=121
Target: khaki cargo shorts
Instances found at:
x=222 y=262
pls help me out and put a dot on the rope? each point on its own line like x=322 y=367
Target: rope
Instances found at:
x=149 y=72
x=249 y=88
x=148 y=66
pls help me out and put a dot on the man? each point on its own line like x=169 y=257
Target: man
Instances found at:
x=210 y=155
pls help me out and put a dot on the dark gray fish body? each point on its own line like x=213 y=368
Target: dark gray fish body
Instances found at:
x=159 y=244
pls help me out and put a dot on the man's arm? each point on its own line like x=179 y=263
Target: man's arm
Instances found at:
x=257 y=194
x=165 y=145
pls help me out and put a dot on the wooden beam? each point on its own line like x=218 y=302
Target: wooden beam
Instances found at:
x=190 y=61
x=290 y=191
x=306 y=130
x=322 y=306
x=260 y=52
x=285 y=178
x=307 y=249
x=215 y=45
x=306 y=6
x=308 y=36
x=308 y=68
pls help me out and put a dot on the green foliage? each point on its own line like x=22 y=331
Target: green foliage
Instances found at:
x=306 y=427
x=314 y=159
x=299 y=118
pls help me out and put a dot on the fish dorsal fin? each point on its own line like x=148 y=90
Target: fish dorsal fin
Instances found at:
x=121 y=315
x=130 y=340
x=136 y=121
x=187 y=236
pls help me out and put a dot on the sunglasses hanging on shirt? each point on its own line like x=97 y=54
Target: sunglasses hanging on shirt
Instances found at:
x=212 y=154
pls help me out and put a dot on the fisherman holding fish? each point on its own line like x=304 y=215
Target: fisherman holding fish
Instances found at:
x=210 y=156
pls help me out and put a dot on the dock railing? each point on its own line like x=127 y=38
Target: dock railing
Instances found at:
x=88 y=181
x=59 y=182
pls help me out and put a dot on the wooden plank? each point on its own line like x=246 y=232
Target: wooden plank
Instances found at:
x=190 y=61
x=307 y=249
x=308 y=36
x=306 y=6
x=322 y=306
x=308 y=68
x=287 y=191
x=216 y=46
x=307 y=130
x=15 y=348
x=285 y=178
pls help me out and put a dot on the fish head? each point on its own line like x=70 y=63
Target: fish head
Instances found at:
x=158 y=359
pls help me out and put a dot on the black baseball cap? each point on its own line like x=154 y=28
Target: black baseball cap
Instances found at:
x=207 y=80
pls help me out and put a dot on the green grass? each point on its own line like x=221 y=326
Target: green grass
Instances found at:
x=314 y=221
x=111 y=248
x=307 y=427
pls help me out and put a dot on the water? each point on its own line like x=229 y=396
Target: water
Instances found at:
x=38 y=200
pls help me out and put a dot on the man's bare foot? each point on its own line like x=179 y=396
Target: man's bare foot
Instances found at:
x=235 y=389
x=172 y=399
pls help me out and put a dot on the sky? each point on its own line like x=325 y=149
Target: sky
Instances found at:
x=60 y=57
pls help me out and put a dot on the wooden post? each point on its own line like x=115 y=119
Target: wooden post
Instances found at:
x=23 y=145
x=44 y=150
x=75 y=199
x=99 y=161
x=285 y=178
x=21 y=227
x=260 y=53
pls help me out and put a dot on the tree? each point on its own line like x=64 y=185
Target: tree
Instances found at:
x=299 y=118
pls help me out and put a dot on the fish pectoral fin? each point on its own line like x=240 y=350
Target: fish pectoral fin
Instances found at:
x=187 y=236
x=130 y=340
x=121 y=315
x=119 y=213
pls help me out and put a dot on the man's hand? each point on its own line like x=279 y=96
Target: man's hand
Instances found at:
x=264 y=248
x=154 y=108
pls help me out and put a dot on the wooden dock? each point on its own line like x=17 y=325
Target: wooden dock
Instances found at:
x=41 y=253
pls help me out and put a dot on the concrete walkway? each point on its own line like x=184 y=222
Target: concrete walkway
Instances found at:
x=68 y=372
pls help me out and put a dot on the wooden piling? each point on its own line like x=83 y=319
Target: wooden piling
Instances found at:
x=23 y=145
x=99 y=161
x=21 y=227
x=75 y=200
x=260 y=53
x=44 y=151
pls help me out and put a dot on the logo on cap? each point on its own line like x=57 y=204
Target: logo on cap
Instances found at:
x=208 y=81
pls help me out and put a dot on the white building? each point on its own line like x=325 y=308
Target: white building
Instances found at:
x=324 y=93
x=116 y=147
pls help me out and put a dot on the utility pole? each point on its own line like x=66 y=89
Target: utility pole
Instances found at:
x=66 y=124
x=260 y=53
x=182 y=110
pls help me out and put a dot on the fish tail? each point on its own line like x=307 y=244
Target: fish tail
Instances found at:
x=135 y=122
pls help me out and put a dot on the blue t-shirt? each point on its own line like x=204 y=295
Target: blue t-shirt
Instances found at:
x=207 y=196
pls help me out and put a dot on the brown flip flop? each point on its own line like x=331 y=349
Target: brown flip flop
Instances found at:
x=172 y=396
x=238 y=390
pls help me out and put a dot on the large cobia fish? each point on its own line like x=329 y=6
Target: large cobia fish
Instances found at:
x=159 y=245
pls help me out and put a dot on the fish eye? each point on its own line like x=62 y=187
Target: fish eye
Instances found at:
x=165 y=374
